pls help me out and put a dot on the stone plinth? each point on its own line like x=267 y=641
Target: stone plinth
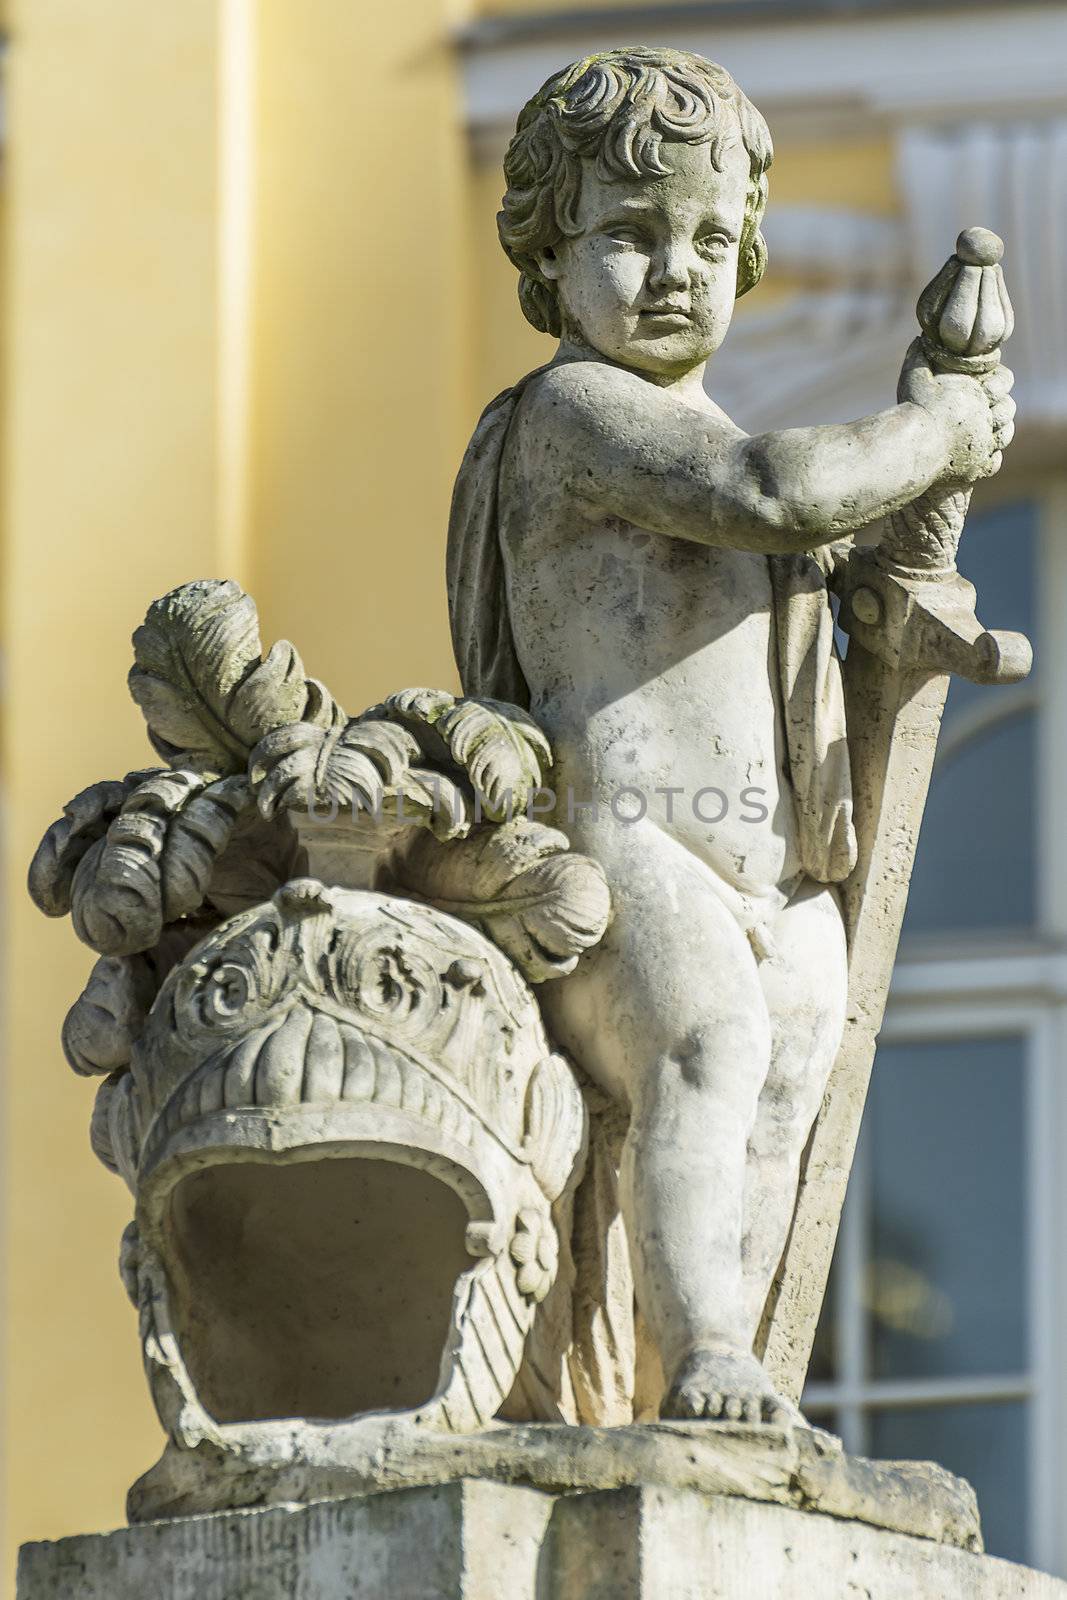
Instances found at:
x=486 y=1541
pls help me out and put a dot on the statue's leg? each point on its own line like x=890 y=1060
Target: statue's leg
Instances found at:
x=669 y=1014
x=805 y=981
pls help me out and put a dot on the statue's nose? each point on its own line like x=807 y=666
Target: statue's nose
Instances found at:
x=670 y=267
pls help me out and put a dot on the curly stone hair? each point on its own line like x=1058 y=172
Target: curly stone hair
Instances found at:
x=619 y=108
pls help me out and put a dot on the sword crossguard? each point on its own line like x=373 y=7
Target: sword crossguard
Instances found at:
x=916 y=623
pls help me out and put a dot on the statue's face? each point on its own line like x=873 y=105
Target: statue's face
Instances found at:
x=651 y=279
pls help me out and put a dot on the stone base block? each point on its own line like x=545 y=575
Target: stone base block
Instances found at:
x=490 y=1541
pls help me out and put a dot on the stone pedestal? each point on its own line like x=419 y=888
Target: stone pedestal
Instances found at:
x=488 y=1541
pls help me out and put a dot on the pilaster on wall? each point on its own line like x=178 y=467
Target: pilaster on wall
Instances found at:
x=233 y=317
x=110 y=497
x=361 y=391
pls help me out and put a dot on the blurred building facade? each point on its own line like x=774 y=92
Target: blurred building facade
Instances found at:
x=253 y=303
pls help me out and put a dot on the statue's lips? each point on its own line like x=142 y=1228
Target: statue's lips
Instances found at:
x=672 y=316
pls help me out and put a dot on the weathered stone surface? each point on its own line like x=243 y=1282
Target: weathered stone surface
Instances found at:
x=384 y=1194
x=653 y=1544
x=656 y=586
x=478 y=1541
x=466 y=1541
x=284 y=1462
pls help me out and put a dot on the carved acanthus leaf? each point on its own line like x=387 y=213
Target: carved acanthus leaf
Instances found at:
x=520 y=885
x=500 y=747
x=112 y=1130
x=85 y=820
x=367 y=767
x=199 y=678
x=108 y=1017
x=101 y=1026
x=154 y=864
x=261 y=856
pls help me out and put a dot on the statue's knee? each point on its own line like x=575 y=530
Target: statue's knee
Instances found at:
x=725 y=1060
x=789 y=1104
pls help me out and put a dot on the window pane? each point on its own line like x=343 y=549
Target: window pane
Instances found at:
x=975 y=863
x=974 y=867
x=986 y=1444
x=946 y=1290
x=998 y=553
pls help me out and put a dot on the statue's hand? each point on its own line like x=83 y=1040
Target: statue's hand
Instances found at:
x=975 y=413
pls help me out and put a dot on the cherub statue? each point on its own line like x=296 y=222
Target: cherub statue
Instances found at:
x=652 y=583
x=348 y=1124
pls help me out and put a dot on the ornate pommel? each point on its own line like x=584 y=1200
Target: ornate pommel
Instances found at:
x=965 y=313
x=906 y=602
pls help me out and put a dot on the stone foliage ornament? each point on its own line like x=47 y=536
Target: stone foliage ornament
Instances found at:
x=293 y=1059
x=466 y=1146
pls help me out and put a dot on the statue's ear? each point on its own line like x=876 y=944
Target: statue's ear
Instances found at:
x=548 y=263
x=751 y=262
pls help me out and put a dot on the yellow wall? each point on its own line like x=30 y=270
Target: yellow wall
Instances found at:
x=253 y=301
x=361 y=354
x=855 y=173
x=109 y=497
x=171 y=414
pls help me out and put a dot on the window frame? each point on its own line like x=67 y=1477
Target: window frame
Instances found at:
x=986 y=986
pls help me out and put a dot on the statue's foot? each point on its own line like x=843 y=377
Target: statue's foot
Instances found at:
x=730 y=1385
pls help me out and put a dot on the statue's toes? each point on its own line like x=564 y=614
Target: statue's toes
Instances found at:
x=734 y=1409
x=754 y=1408
x=686 y=1402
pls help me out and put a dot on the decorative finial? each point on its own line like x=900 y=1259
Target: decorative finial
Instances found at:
x=965 y=313
x=980 y=247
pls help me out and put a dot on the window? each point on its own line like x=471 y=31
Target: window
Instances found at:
x=942 y=1331
x=927 y=1342
x=981 y=804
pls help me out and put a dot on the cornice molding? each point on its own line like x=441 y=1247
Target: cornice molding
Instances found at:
x=487 y=33
x=883 y=64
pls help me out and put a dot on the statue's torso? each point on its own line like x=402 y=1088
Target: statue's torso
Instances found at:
x=652 y=665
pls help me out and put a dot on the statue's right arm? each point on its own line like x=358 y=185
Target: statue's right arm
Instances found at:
x=623 y=446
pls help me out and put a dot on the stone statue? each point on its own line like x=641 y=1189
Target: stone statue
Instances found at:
x=280 y=1035
x=486 y=1071
x=654 y=585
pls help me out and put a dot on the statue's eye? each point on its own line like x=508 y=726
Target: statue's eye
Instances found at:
x=713 y=244
x=626 y=234
x=226 y=990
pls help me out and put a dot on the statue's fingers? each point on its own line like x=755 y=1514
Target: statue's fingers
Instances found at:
x=999 y=382
x=996 y=461
x=1005 y=435
x=915 y=361
x=1003 y=412
x=915 y=356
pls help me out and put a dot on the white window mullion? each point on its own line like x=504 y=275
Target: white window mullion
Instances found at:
x=1051 y=674
x=888 y=1394
x=1048 y=1112
x=1047 y=1274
